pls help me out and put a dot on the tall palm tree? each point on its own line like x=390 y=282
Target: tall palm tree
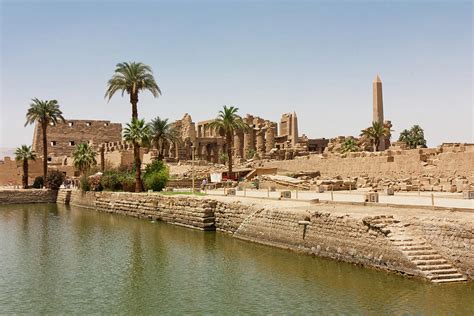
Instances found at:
x=137 y=132
x=24 y=153
x=414 y=137
x=375 y=133
x=162 y=134
x=132 y=78
x=84 y=157
x=229 y=122
x=44 y=112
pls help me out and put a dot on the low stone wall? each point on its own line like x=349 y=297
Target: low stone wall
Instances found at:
x=20 y=196
x=318 y=233
x=186 y=211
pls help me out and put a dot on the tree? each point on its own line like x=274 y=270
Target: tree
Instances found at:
x=375 y=133
x=24 y=153
x=138 y=133
x=132 y=78
x=414 y=137
x=228 y=121
x=349 y=145
x=44 y=112
x=84 y=157
x=162 y=134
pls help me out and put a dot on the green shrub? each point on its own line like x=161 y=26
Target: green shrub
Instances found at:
x=55 y=179
x=111 y=181
x=118 y=180
x=84 y=183
x=38 y=183
x=155 y=176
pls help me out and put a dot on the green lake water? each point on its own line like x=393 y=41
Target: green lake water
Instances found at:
x=58 y=259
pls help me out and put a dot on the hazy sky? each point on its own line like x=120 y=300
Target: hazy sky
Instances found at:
x=266 y=57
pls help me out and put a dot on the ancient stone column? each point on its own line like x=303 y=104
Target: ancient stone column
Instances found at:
x=269 y=137
x=238 y=144
x=249 y=141
x=261 y=143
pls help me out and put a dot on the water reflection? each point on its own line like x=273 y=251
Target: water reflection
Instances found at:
x=56 y=259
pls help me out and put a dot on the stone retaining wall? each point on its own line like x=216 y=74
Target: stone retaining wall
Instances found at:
x=452 y=239
x=20 y=196
x=185 y=211
x=359 y=240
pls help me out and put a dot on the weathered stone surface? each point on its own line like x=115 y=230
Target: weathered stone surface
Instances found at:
x=27 y=196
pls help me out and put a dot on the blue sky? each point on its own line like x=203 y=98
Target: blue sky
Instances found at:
x=266 y=57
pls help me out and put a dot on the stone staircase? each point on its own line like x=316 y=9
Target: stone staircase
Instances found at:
x=431 y=264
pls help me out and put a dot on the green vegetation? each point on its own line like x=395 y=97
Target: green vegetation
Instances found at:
x=375 y=133
x=84 y=157
x=414 y=137
x=24 y=153
x=118 y=180
x=349 y=145
x=132 y=78
x=228 y=121
x=44 y=112
x=38 y=183
x=55 y=179
x=155 y=176
x=162 y=134
x=250 y=153
x=138 y=133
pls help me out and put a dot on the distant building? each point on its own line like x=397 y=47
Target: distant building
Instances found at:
x=63 y=137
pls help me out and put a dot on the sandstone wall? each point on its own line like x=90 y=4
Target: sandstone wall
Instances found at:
x=388 y=164
x=11 y=171
x=185 y=211
x=453 y=239
x=79 y=131
x=27 y=196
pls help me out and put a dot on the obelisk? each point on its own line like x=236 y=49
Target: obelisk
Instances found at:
x=378 y=100
x=378 y=107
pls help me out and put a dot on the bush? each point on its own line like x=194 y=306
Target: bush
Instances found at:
x=55 y=179
x=84 y=183
x=111 y=181
x=118 y=180
x=38 y=183
x=94 y=182
x=155 y=176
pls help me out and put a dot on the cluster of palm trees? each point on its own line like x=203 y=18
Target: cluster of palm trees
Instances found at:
x=413 y=137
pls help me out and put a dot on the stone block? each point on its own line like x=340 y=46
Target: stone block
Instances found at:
x=285 y=194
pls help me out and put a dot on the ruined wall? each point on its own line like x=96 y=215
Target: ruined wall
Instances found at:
x=11 y=171
x=77 y=131
x=27 y=196
x=397 y=164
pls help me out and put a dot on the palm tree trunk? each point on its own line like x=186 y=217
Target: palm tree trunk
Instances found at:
x=44 y=126
x=229 y=155
x=138 y=163
x=25 y=173
x=134 y=101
